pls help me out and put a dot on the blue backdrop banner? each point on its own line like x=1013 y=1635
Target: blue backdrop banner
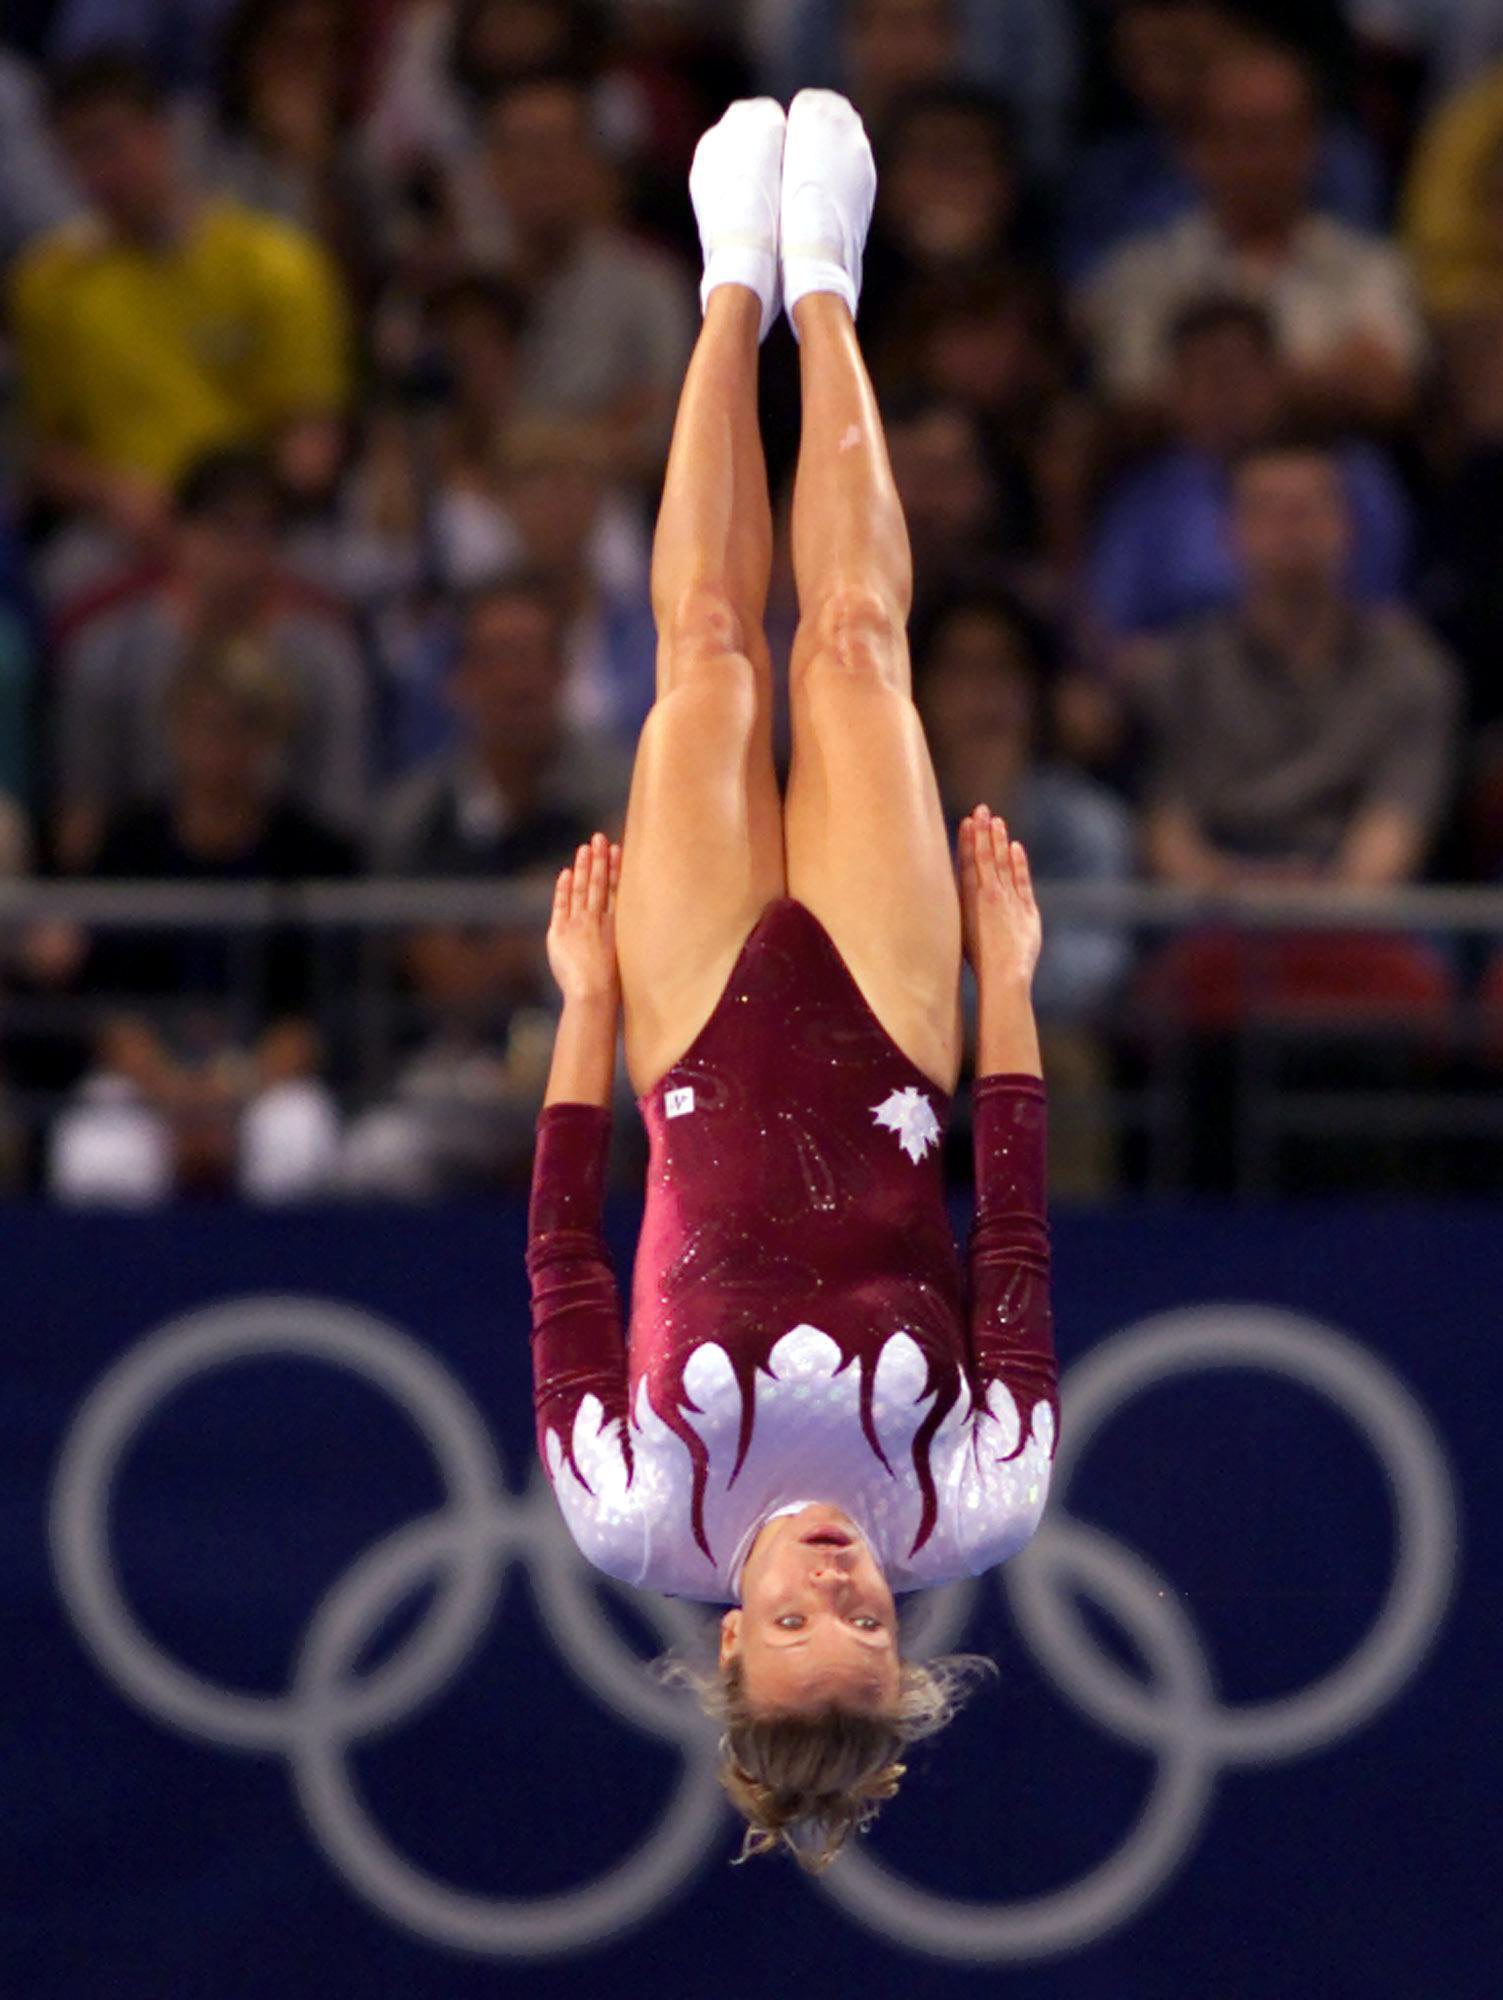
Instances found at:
x=308 y=1695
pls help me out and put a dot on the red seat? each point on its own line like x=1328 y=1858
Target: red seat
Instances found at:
x=1215 y=980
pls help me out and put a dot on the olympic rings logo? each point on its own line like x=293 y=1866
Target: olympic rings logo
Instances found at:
x=467 y=1548
x=1177 y=1718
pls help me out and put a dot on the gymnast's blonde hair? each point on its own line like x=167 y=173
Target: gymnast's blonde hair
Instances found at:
x=807 y=1780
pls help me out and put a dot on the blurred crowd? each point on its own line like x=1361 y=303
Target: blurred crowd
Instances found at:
x=339 y=353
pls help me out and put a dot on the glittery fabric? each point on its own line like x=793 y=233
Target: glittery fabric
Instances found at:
x=800 y=1324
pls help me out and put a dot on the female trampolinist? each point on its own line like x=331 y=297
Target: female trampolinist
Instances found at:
x=812 y=1409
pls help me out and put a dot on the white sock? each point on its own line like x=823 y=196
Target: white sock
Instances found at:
x=734 y=184
x=829 y=186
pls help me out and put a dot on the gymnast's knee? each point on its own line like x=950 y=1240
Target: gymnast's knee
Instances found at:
x=703 y=644
x=701 y=619
x=857 y=630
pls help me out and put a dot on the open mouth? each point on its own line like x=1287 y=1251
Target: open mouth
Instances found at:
x=826 y=1538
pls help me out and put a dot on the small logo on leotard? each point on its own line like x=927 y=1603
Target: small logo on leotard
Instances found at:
x=910 y=1114
x=677 y=1102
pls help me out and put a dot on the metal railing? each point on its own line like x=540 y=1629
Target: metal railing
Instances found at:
x=1150 y=1092
x=389 y=904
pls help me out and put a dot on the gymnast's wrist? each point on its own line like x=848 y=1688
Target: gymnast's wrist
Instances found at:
x=1002 y=982
x=1007 y=1040
x=593 y=1000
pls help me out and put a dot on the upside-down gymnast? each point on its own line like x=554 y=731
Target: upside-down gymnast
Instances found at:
x=813 y=1408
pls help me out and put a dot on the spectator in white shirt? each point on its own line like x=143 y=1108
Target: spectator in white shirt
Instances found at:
x=1341 y=300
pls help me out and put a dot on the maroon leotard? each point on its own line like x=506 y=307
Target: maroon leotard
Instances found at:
x=800 y=1325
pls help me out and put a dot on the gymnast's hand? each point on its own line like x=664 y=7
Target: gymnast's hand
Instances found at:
x=582 y=929
x=1000 y=919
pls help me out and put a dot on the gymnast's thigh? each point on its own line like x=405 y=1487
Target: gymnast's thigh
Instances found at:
x=868 y=852
x=702 y=850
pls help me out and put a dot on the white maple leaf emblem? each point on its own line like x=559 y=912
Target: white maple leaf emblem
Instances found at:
x=910 y=1114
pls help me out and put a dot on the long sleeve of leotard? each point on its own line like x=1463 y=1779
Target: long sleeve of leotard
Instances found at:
x=578 y=1342
x=1011 y=1321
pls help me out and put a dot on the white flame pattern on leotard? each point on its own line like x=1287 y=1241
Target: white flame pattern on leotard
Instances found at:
x=636 y=1529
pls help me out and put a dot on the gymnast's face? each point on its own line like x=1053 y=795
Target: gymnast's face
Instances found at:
x=817 y=1621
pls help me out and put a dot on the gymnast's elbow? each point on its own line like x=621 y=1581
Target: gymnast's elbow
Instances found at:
x=1013 y=1525
x=612 y=1543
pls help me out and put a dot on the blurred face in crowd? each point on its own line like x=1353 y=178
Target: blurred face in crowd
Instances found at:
x=227 y=555
x=1255 y=142
x=817 y=1621
x=543 y=159
x=302 y=40
x=1226 y=387
x=987 y=356
x=979 y=702
x=1291 y=523
x=941 y=476
x=949 y=186
x=554 y=498
x=123 y=159
x=892 y=45
x=504 y=37
x=223 y=749
x=506 y=682
x=1163 y=50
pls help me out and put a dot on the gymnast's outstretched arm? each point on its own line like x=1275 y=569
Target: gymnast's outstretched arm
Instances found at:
x=1011 y=1323
x=578 y=1334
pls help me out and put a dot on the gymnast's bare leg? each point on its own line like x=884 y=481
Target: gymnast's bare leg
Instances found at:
x=703 y=840
x=864 y=832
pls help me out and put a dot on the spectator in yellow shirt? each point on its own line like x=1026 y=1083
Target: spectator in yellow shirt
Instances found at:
x=165 y=322
x=1453 y=204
